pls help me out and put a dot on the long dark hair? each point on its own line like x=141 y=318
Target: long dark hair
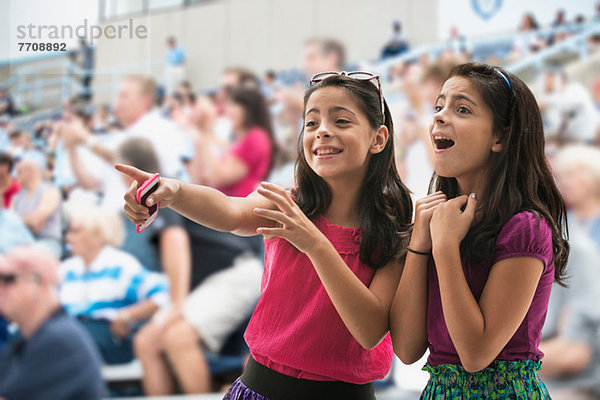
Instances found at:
x=384 y=205
x=519 y=176
x=256 y=114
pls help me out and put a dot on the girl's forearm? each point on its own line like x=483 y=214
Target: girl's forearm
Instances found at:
x=365 y=316
x=208 y=207
x=463 y=316
x=408 y=315
x=215 y=210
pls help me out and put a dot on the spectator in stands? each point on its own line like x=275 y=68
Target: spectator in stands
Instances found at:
x=80 y=168
x=249 y=160
x=238 y=76
x=175 y=67
x=560 y=19
x=5 y=128
x=38 y=202
x=225 y=283
x=52 y=357
x=458 y=45
x=579 y=20
x=133 y=110
x=175 y=109
x=234 y=77
x=577 y=169
x=19 y=142
x=7 y=105
x=186 y=92
x=321 y=54
x=164 y=246
x=528 y=41
x=269 y=85
x=397 y=43
x=87 y=65
x=560 y=25
x=107 y=289
x=13 y=231
x=567 y=108
x=8 y=185
x=570 y=334
x=101 y=119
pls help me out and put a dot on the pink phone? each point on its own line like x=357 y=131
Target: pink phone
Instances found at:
x=147 y=188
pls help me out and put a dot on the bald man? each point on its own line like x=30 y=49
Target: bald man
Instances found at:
x=51 y=357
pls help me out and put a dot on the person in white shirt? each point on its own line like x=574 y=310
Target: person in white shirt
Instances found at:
x=134 y=111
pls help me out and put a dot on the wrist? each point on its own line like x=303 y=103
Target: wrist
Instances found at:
x=418 y=252
x=419 y=245
x=175 y=187
x=445 y=247
x=320 y=247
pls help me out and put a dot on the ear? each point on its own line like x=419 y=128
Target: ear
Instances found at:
x=497 y=146
x=379 y=140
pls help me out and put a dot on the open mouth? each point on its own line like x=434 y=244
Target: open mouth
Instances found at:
x=326 y=152
x=443 y=143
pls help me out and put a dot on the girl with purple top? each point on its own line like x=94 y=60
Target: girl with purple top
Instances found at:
x=486 y=245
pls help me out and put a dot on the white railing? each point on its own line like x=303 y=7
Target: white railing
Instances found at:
x=54 y=81
x=502 y=46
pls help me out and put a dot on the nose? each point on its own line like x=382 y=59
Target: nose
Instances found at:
x=439 y=118
x=323 y=131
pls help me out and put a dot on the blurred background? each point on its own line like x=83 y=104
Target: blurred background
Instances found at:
x=178 y=87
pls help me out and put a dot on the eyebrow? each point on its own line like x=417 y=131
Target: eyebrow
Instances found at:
x=457 y=97
x=331 y=110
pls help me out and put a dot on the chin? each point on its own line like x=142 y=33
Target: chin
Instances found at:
x=445 y=172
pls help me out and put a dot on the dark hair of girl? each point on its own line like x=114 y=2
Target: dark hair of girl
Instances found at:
x=384 y=205
x=256 y=114
x=519 y=176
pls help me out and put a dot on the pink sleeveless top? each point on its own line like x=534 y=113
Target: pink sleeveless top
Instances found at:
x=295 y=329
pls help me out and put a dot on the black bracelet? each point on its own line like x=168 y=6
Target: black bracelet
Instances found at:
x=422 y=253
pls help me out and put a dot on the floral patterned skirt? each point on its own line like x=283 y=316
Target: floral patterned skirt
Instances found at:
x=502 y=380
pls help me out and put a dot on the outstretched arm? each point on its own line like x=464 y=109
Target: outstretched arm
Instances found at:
x=202 y=204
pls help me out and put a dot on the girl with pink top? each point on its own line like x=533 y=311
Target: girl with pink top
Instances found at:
x=249 y=159
x=479 y=268
x=333 y=247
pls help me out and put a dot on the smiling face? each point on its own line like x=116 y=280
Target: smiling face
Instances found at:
x=338 y=140
x=462 y=131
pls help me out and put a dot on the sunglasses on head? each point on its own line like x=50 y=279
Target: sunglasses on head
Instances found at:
x=360 y=75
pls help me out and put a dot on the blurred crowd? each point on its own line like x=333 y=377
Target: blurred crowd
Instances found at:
x=177 y=296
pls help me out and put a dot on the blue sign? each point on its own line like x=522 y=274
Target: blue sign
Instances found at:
x=486 y=9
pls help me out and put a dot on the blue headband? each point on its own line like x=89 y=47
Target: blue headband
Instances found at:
x=506 y=79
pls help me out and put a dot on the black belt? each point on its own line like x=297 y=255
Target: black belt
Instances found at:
x=277 y=386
